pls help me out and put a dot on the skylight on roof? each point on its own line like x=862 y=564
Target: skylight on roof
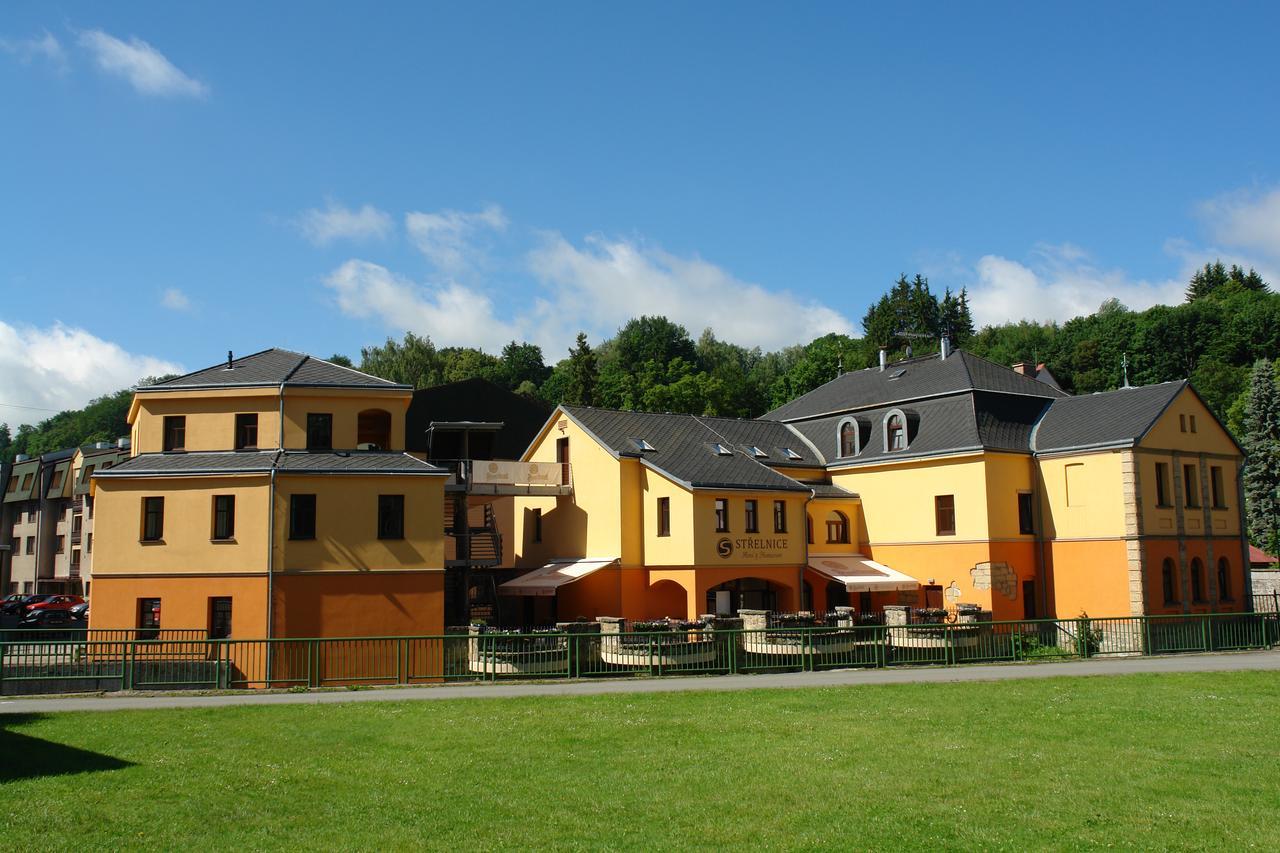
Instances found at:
x=642 y=445
x=721 y=449
x=791 y=454
x=897 y=374
x=757 y=452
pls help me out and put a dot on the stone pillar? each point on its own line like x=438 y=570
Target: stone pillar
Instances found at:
x=754 y=620
x=897 y=614
x=611 y=624
x=968 y=613
x=845 y=617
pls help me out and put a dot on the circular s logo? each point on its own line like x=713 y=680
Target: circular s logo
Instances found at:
x=724 y=548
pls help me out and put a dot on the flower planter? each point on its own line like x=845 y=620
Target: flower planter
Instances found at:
x=493 y=653
x=680 y=648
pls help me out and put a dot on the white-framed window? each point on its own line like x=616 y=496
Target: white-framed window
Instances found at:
x=847 y=439
x=895 y=431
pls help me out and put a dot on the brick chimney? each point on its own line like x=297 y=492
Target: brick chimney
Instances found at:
x=1025 y=368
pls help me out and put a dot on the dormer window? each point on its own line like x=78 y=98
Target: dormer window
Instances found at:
x=848 y=439
x=895 y=431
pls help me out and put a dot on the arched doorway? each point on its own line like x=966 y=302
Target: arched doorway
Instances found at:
x=667 y=598
x=745 y=594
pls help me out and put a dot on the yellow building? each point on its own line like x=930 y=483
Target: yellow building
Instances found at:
x=928 y=482
x=270 y=496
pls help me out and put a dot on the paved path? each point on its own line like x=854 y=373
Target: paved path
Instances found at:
x=1229 y=662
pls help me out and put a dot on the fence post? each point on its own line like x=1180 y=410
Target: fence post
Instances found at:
x=4 y=651
x=571 y=642
x=1082 y=640
x=1146 y=629
x=732 y=640
x=127 y=675
x=1206 y=631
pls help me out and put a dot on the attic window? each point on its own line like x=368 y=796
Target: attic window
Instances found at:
x=791 y=454
x=642 y=445
x=721 y=450
x=757 y=452
x=897 y=374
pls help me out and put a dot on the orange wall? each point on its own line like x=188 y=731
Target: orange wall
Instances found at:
x=388 y=604
x=1089 y=576
x=184 y=602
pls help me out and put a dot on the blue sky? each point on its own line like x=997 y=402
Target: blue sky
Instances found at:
x=177 y=182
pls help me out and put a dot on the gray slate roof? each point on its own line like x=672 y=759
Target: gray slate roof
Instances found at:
x=262 y=462
x=275 y=367
x=911 y=379
x=934 y=426
x=1110 y=417
x=683 y=448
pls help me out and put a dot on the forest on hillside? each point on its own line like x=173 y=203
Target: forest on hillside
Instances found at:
x=1229 y=320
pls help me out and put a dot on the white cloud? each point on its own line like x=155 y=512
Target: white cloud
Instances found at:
x=336 y=222
x=1246 y=220
x=175 y=300
x=37 y=47
x=448 y=239
x=450 y=314
x=62 y=367
x=1058 y=283
x=146 y=68
x=604 y=283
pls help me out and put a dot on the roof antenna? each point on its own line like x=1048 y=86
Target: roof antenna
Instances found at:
x=839 y=365
x=1124 y=365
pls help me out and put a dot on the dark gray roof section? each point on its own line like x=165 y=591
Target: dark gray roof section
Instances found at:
x=936 y=426
x=828 y=490
x=262 y=462
x=359 y=462
x=771 y=437
x=1005 y=422
x=275 y=367
x=189 y=464
x=912 y=379
x=1108 y=418
x=683 y=449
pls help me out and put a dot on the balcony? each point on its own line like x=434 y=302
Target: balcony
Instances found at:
x=499 y=477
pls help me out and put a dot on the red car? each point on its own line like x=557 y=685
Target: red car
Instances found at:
x=57 y=602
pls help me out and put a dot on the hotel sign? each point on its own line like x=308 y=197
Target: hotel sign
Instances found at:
x=753 y=547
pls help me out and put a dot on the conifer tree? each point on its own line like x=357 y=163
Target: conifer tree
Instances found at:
x=581 y=388
x=1262 y=458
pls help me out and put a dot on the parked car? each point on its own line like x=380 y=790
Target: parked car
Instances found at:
x=11 y=602
x=54 y=602
x=47 y=617
x=19 y=607
x=80 y=611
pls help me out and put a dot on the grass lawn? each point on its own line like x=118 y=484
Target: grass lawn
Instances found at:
x=1182 y=761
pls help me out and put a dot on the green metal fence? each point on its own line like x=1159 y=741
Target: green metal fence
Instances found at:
x=106 y=660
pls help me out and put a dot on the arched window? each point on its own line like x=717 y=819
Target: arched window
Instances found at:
x=895 y=431
x=373 y=427
x=1169 y=578
x=837 y=528
x=1197 y=579
x=1224 y=579
x=848 y=439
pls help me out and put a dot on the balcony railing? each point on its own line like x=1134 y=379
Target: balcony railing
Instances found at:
x=501 y=477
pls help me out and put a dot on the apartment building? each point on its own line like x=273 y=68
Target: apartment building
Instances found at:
x=270 y=496
x=47 y=518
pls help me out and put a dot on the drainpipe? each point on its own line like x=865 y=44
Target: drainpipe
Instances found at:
x=271 y=550
x=271 y=526
x=813 y=493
